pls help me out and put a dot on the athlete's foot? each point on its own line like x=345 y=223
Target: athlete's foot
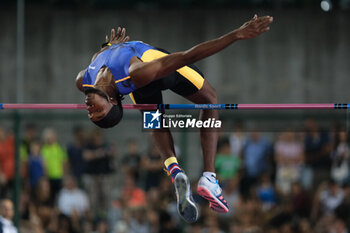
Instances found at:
x=213 y=193
x=186 y=207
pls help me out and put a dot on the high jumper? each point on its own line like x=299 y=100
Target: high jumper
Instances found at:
x=143 y=71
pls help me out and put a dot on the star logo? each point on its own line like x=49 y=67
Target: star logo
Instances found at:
x=151 y=120
x=156 y=115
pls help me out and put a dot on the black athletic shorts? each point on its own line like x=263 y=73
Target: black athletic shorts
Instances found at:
x=185 y=82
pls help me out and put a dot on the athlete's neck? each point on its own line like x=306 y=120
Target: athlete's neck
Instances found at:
x=105 y=82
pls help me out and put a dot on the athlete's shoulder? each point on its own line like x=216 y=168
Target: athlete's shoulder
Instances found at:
x=136 y=42
x=140 y=45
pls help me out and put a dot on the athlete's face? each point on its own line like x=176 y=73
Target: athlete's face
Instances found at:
x=97 y=106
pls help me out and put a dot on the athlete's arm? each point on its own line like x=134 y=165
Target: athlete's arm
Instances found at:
x=142 y=73
x=79 y=80
x=115 y=38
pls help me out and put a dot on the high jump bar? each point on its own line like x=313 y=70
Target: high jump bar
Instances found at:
x=184 y=106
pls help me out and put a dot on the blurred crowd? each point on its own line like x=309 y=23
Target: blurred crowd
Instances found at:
x=293 y=182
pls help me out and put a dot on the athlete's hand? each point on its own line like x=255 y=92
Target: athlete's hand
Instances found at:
x=117 y=38
x=254 y=27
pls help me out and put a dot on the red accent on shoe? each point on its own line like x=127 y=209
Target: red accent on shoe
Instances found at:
x=214 y=202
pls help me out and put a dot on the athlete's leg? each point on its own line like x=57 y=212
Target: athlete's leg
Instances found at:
x=164 y=142
x=151 y=94
x=192 y=86
x=208 y=187
x=209 y=137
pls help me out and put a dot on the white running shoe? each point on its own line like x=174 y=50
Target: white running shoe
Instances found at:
x=186 y=207
x=213 y=193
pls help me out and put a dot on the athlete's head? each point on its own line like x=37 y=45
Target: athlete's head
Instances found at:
x=104 y=111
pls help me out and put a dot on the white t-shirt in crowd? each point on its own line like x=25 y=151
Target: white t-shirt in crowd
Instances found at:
x=69 y=200
x=7 y=226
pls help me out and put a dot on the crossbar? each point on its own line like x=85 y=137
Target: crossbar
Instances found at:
x=184 y=106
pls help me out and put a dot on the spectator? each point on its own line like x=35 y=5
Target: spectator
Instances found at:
x=72 y=200
x=235 y=226
x=289 y=159
x=101 y=226
x=328 y=197
x=266 y=192
x=154 y=211
x=305 y=226
x=61 y=223
x=231 y=192
x=249 y=213
x=338 y=226
x=98 y=156
x=331 y=198
x=237 y=140
x=226 y=165
x=29 y=220
x=75 y=153
x=36 y=166
x=132 y=196
x=256 y=154
x=167 y=200
x=131 y=161
x=324 y=224
x=43 y=203
x=343 y=210
x=88 y=227
x=340 y=170
x=29 y=135
x=300 y=200
x=6 y=215
x=153 y=220
x=55 y=159
x=7 y=162
x=317 y=154
x=196 y=227
x=153 y=165
x=121 y=224
x=64 y=224
x=152 y=198
x=121 y=227
x=139 y=222
x=211 y=224
x=282 y=218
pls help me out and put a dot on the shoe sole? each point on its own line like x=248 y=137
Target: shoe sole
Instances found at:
x=214 y=203
x=186 y=208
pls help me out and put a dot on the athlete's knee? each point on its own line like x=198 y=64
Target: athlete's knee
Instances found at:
x=214 y=97
x=206 y=95
x=211 y=95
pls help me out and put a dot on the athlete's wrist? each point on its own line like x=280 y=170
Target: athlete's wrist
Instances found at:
x=105 y=44
x=236 y=35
